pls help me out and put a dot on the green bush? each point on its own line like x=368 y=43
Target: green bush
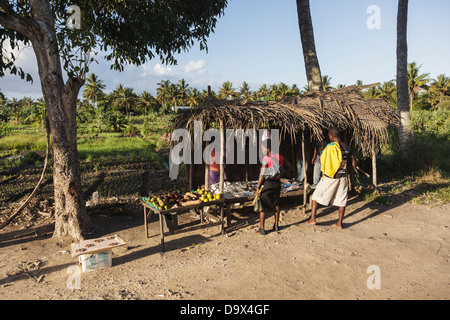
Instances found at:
x=430 y=150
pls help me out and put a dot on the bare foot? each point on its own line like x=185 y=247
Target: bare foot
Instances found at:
x=261 y=231
x=312 y=223
x=339 y=226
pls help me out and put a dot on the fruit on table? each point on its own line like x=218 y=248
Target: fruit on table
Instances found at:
x=165 y=202
x=207 y=196
x=170 y=200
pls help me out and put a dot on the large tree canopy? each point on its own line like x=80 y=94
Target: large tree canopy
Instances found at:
x=128 y=31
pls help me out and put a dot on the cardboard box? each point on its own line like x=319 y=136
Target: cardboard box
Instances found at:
x=96 y=254
x=96 y=261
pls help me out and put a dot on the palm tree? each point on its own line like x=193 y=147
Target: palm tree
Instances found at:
x=147 y=101
x=312 y=67
x=162 y=92
x=14 y=106
x=174 y=95
x=284 y=90
x=193 y=98
x=388 y=92
x=304 y=90
x=440 y=85
x=245 y=92
x=183 y=89
x=295 y=91
x=416 y=81
x=402 y=76
x=226 y=91
x=372 y=92
x=326 y=83
x=275 y=92
x=263 y=92
x=124 y=98
x=93 y=89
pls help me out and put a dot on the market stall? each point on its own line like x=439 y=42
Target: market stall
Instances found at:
x=364 y=123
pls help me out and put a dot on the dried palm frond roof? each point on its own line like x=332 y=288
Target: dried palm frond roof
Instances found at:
x=366 y=119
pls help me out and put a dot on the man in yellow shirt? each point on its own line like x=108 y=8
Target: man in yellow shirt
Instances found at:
x=333 y=187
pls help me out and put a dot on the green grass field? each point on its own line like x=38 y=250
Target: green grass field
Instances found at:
x=112 y=163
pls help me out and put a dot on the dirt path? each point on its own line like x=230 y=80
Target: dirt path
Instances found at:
x=408 y=243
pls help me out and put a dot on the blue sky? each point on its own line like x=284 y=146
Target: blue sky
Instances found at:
x=258 y=41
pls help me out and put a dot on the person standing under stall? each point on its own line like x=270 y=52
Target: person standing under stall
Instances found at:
x=270 y=193
x=214 y=167
x=333 y=187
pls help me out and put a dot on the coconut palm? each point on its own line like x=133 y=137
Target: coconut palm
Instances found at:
x=402 y=76
x=124 y=97
x=226 y=91
x=174 y=95
x=440 y=85
x=284 y=90
x=262 y=93
x=372 y=92
x=304 y=90
x=162 y=92
x=13 y=105
x=93 y=89
x=416 y=81
x=388 y=92
x=183 y=89
x=295 y=91
x=245 y=92
x=326 y=83
x=193 y=98
x=146 y=101
x=274 y=92
x=312 y=67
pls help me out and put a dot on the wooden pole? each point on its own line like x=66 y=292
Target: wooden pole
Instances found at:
x=207 y=172
x=191 y=177
x=374 y=166
x=247 y=159
x=161 y=227
x=145 y=223
x=191 y=165
x=304 y=173
x=222 y=156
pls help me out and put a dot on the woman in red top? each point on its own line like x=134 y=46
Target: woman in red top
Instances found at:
x=270 y=194
x=214 y=168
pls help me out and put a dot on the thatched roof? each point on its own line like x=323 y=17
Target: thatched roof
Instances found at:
x=366 y=119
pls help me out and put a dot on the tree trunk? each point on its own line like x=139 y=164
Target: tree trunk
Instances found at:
x=312 y=67
x=71 y=218
x=402 y=76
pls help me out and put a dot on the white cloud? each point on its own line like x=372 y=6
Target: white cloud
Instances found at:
x=196 y=66
x=157 y=70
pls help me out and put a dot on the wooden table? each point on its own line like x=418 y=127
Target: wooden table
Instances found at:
x=230 y=201
x=221 y=203
x=148 y=210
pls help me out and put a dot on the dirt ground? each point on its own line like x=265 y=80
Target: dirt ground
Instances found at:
x=408 y=244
